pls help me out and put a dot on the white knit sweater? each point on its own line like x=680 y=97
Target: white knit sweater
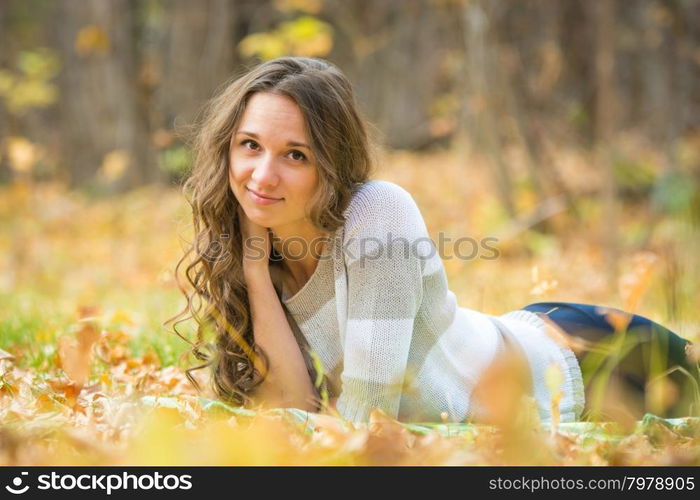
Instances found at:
x=380 y=316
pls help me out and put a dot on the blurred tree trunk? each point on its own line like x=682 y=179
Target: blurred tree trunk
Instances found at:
x=195 y=55
x=481 y=96
x=100 y=111
x=672 y=24
x=510 y=76
x=605 y=122
x=163 y=61
x=528 y=96
x=394 y=53
x=4 y=118
x=678 y=84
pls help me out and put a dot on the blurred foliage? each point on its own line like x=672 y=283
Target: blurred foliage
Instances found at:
x=29 y=85
x=303 y=36
x=176 y=161
x=634 y=177
x=676 y=192
x=493 y=76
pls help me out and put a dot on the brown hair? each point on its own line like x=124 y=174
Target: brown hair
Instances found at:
x=214 y=268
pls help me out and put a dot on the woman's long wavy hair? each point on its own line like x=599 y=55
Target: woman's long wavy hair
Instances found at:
x=216 y=290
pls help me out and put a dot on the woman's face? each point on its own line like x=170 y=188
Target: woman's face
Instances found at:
x=272 y=172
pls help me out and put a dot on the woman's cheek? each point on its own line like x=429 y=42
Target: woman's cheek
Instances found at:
x=232 y=181
x=236 y=170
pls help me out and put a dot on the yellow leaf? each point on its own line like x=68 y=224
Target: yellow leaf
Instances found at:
x=121 y=316
x=22 y=154
x=114 y=164
x=553 y=378
x=619 y=320
x=75 y=355
x=304 y=36
x=91 y=40
x=632 y=285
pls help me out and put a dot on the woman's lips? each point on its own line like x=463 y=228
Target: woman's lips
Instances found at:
x=262 y=200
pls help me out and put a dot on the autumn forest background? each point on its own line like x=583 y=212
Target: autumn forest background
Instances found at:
x=568 y=130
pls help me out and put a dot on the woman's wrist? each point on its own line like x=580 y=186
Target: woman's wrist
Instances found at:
x=255 y=271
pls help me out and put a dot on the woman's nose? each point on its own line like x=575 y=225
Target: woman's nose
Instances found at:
x=264 y=172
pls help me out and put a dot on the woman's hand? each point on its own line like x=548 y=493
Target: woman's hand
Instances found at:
x=256 y=244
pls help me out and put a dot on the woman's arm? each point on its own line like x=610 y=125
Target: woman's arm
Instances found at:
x=287 y=382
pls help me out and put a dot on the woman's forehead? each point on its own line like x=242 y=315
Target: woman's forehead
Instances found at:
x=267 y=113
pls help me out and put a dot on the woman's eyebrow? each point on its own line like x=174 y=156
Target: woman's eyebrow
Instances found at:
x=290 y=143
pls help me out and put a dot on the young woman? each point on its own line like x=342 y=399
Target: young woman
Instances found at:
x=306 y=268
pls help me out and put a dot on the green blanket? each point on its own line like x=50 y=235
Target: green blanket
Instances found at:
x=650 y=424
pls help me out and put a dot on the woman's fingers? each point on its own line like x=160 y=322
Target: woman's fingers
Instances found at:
x=256 y=240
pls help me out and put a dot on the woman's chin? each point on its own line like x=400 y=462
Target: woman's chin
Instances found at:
x=260 y=217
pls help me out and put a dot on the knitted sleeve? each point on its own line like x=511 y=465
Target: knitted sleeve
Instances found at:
x=385 y=290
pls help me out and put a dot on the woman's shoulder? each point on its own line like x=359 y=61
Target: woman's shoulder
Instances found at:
x=380 y=188
x=378 y=196
x=378 y=205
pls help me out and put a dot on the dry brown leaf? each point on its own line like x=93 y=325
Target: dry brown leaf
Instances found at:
x=4 y=355
x=75 y=353
x=85 y=311
x=692 y=351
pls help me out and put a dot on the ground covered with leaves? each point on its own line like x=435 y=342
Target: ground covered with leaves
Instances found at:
x=136 y=412
x=89 y=374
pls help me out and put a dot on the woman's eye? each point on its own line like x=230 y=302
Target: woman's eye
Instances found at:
x=249 y=144
x=297 y=155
